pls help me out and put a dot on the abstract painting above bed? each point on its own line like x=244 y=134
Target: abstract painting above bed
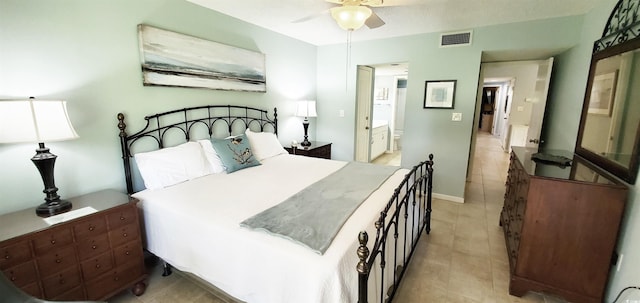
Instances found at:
x=172 y=59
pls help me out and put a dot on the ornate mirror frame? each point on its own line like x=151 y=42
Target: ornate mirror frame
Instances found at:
x=620 y=41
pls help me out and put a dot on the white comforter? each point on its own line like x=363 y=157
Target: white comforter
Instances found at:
x=194 y=226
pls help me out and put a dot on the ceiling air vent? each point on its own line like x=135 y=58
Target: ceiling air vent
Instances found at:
x=455 y=39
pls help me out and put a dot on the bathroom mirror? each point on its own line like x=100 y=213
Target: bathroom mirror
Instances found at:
x=610 y=124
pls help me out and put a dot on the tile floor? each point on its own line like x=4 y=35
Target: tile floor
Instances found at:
x=462 y=260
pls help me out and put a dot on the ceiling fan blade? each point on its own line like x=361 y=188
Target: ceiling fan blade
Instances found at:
x=312 y=16
x=374 y=21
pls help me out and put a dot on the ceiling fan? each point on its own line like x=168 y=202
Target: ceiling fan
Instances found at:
x=352 y=14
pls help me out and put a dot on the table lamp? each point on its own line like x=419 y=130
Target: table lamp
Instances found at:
x=306 y=109
x=39 y=121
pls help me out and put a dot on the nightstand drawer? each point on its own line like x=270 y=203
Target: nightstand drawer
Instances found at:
x=22 y=274
x=124 y=216
x=124 y=234
x=103 y=285
x=52 y=240
x=57 y=261
x=61 y=282
x=14 y=254
x=90 y=228
x=96 y=266
x=128 y=252
x=93 y=246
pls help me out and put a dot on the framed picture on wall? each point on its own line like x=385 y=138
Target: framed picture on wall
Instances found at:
x=439 y=94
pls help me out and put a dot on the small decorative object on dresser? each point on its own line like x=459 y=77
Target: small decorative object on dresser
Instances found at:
x=316 y=150
x=91 y=253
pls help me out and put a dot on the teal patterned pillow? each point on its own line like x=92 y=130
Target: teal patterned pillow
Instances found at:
x=235 y=152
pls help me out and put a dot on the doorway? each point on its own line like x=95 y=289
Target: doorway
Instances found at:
x=381 y=97
x=521 y=89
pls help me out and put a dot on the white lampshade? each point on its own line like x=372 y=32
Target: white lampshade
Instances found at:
x=350 y=17
x=306 y=109
x=35 y=121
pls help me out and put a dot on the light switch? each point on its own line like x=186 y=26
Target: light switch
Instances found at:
x=456 y=117
x=520 y=108
x=341 y=113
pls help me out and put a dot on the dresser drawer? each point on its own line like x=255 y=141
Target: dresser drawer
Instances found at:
x=123 y=216
x=124 y=234
x=94 y=246
x=17 y=253
x=22 y=274
x=57 y=261
x=96 y=266
x=90 y=228
x=61 y=282
x=99 y=288
x=51 y=240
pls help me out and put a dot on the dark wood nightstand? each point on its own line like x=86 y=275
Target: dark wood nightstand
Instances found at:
x=316 y=150
x=93 y=256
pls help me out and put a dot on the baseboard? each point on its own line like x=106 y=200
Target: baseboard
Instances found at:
x=448 y=198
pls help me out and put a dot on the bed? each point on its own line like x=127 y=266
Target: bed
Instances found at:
x=197 y=223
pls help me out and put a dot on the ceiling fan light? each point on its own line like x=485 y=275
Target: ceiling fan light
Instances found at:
x=350 y=17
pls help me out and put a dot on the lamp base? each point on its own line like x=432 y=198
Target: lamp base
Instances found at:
x=48 y=209
x=305 y=143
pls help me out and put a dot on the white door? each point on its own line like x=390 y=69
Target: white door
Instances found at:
x=539 y=102
x=364 y=99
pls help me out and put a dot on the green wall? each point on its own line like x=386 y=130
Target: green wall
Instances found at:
x=86 y=52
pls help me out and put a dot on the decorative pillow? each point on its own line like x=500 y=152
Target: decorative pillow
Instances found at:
x=264 y=145
x=215 y=164
x=172 y=165
x=235 y=153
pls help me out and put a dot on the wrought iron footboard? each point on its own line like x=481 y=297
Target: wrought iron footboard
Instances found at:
x=408 y=212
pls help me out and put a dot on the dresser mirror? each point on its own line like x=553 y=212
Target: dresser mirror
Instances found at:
x=610 y=122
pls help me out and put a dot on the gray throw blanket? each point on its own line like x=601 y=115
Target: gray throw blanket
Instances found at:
x=313 y=216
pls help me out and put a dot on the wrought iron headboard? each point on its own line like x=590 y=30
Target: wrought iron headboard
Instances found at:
x=184 y=120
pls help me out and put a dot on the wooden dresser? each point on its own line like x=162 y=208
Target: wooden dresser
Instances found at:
x=317 y=150
x=92 y=257
x=560 y=226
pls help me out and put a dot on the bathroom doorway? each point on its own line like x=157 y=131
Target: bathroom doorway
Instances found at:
x=388 y=111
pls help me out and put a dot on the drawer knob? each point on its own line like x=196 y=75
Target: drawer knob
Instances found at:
x=7 y=257
x=94 y=246
x=13 y=279
x=127 y=253
x=62 y=281
x=124 y=235
x=122 y=218
x=91 y=228
x=97 y=265
x=58 y=261
x=116 y=278
x=53 y=241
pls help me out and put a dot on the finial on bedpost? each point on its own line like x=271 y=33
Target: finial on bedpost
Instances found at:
x=363 y=267
x=121 y=125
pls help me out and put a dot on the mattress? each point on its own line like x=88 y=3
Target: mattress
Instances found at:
x=195 y=227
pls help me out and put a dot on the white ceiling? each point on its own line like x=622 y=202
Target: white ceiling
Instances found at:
x=402 y=17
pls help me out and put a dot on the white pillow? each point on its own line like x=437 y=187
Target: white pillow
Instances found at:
x=215 y=164
x=172 y=165
x=264 y=145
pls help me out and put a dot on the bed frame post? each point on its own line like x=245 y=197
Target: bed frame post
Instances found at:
x=363 y=267
x=125 y=152
x=429 y=189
